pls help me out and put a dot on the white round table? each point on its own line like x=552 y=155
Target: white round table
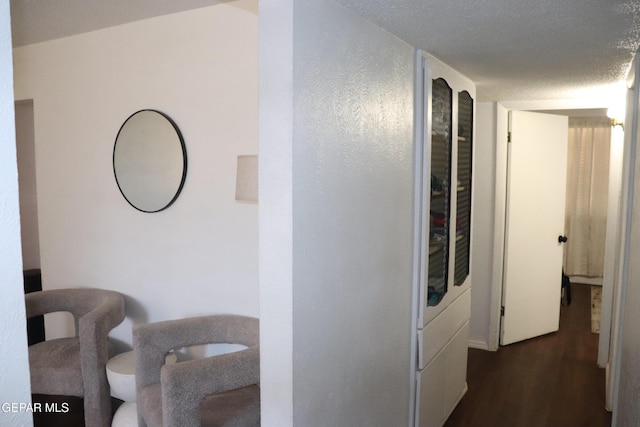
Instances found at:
x=126 y=415
x=121 y=374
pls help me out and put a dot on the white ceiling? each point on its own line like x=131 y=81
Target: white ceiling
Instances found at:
x=512 y=49
x=34 y=21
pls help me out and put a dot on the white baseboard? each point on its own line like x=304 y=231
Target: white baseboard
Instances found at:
x=586 y=280
x=480 y=345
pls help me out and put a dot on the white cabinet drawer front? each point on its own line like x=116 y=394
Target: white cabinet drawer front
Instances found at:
x=442 y=383
x=441 y=330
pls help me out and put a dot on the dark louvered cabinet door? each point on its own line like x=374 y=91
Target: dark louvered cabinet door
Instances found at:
x=440 y=201
x=463 y=189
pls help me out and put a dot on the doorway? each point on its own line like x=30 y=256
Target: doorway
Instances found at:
x=534 y=226
x=499 y=197
x=585 y=223
x=26 y=154
x=496 y=114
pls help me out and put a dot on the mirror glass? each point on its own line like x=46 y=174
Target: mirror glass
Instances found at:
x=149 y=161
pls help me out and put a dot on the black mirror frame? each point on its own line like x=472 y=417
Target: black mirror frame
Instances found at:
x=184 y=160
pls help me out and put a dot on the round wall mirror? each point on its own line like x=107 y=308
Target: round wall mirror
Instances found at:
x=150 y=161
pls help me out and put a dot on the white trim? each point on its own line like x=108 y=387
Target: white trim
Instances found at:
x=275 y=218
x=479 y=345
x=583 y=280
x=417 y=233
x=610 y=279
x=500 y=223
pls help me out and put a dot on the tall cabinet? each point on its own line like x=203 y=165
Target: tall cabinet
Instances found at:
x=444 y=184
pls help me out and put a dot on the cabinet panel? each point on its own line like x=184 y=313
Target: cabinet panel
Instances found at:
x=444 y=181
x=442 y=383
x=437 y=333
x=445 y=187
x=432 y=382
x=456 y=385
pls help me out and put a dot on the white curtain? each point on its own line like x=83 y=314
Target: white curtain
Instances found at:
x=587 y=192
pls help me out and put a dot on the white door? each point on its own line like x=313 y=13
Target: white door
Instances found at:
x=536 y=187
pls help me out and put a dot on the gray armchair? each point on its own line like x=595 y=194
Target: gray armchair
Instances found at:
x=214 y=391
x=76 y=366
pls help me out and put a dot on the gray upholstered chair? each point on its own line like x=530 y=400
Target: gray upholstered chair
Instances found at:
x=220 y=390
x=75 y=366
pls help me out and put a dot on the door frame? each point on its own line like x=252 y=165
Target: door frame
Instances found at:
x=502 y=111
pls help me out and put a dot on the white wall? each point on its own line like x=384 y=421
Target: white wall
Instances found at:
x=276 y=212
x=199 y=67
x=626 y=364
x=489 y=212
x=351 y=194
x=483 y=231
x=14 y=369
x=489 y=289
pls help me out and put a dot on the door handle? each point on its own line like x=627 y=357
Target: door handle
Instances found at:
x=562 y=239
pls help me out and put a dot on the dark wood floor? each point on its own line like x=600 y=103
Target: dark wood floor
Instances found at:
x=67 y=411
x=551 y=380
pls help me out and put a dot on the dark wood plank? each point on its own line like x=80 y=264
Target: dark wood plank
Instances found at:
x=551 y=380
x=62 y=411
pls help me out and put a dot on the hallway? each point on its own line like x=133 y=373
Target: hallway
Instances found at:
x=551 y=380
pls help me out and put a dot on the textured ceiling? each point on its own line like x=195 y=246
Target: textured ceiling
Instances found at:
x=512 y=49
x=519 y=49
